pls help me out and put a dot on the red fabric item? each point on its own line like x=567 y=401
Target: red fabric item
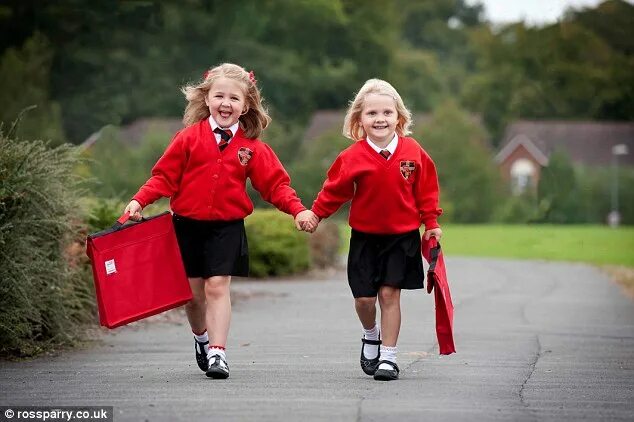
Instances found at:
x=205 y=183
x=388 y=196
x=437 y=280
x=137 y=269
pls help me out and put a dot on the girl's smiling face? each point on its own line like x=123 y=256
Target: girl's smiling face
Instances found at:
x=226 y=101
x=379 y=118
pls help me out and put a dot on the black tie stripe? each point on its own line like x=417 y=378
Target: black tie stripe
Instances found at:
x=225 y=135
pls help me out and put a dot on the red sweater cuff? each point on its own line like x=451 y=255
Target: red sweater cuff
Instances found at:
x=296 y=209
x=431 y=224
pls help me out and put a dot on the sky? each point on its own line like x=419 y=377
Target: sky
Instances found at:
x=534 y=12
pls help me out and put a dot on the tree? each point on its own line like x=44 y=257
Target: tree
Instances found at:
x=557 y=191
x=573 y=69
x=24 y=92
x=469 y=180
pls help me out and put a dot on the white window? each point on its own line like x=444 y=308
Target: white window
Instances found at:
x=522 y=176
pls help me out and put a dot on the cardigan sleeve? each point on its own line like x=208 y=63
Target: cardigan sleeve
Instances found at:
x=271 y=180
x=166 y=173
x=427 y=193
x=337 y=190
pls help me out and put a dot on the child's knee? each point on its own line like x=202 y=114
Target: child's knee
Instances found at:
x=197 y=301
x=389 y=295
x=365 y=302
x=217 y=286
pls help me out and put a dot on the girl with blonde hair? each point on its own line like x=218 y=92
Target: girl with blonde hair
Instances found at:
x=393 y=186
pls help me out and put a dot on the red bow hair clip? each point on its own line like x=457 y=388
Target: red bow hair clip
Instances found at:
x=205 y=74
x=252 y=77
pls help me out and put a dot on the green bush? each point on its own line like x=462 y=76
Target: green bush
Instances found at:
x=44 y=295
x=517 y=209
x=275 y=245
x=325 y=244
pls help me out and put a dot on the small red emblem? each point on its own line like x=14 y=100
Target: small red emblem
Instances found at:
x=244 y=155
x=407 y=168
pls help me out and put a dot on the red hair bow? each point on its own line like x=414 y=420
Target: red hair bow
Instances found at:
x=252 y=77
x=205 y=74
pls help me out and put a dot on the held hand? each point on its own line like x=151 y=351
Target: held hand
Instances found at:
x=306 y=221
x=134 y=208
x=437 y=233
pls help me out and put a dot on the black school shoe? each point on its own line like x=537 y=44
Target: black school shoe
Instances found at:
x=369 y=365
x=201 y=356
x=218 y=368
x=386 y=374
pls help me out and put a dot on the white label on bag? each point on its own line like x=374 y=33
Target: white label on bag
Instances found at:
x=110 y=267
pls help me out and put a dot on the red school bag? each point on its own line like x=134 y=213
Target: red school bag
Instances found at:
x=137 y=269
x=437 y=280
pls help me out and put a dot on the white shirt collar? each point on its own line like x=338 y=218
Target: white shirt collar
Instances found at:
x=214 y=125
x=390 y=147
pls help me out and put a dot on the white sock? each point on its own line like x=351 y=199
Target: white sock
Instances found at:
x=371 y=351
x=216 y=351
x=388 y=353
x=204 y=337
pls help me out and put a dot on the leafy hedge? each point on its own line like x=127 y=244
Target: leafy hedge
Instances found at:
x=275 y=245
x=44 y=295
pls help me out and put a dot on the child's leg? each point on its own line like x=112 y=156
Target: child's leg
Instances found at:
x=366 y=310
x=218 y=319
x=390 y=303
x=195 y=308
x=218 y=314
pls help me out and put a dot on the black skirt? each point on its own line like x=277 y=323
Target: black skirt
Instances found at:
x=211 y=248
x=377 y=260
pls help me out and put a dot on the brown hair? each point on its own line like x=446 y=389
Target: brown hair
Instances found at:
x=352 y=123
x=253 y=122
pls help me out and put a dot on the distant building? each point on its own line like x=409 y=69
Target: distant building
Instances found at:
x=527 y=145
x=134 y=132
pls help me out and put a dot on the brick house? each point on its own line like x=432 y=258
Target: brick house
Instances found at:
x=527 y=144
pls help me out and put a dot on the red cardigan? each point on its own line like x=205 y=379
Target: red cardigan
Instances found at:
x=206 y=184
x=388 y=196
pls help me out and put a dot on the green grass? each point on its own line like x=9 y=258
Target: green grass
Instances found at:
x=599 y=245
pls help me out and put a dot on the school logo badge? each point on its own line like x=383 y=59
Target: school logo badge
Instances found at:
x=407 y=168
x=244 y=155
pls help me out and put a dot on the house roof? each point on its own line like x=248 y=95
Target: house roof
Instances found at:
x=134 y=132
x=587 y=142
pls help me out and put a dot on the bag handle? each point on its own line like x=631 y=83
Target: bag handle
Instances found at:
x=434 y=251
x=122 y=220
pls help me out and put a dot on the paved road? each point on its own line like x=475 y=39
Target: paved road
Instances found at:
x=536 y=341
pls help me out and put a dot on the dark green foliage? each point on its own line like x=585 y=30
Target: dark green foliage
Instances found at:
x=595 y=187
x=313 y=161
x=468 y=177
x=557 y=191
x=44 y=291
x=117 y=169
x=579 y=68
x=518 y=209
x=275 y=246
x=103 y=213
x=25 y=91
x=325 y=244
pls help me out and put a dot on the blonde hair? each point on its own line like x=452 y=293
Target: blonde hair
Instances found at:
x=352 y=123
x=253 y=122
